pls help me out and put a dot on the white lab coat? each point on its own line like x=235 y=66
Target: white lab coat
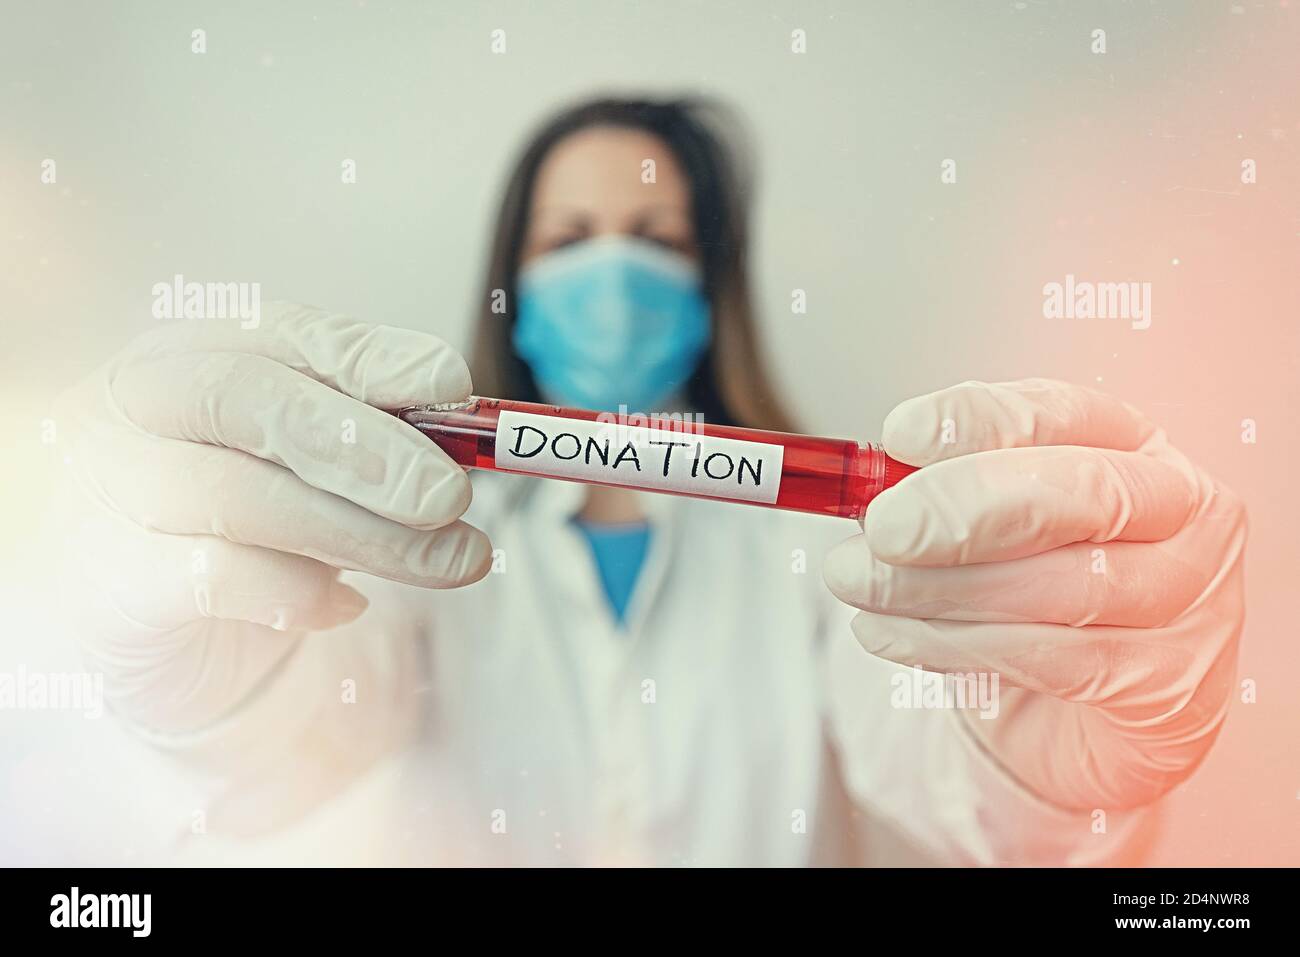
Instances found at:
x=734 y=720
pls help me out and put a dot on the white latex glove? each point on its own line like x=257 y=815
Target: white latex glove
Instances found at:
x=1058 y=540
x=231 y=473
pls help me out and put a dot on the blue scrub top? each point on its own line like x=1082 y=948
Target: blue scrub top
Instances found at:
x=619 y=551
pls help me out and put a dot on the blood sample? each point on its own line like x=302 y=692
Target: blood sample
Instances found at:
x=671 y=454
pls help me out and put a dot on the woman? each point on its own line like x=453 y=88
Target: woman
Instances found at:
x=636 y=678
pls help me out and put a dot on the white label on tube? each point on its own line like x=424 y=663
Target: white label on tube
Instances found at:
x=675 y=461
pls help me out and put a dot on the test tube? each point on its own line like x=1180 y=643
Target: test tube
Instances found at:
x=670 y=454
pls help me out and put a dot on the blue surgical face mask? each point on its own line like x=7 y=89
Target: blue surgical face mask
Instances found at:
x=611 y=321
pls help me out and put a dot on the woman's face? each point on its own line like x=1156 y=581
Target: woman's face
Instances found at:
x=590 y=184
x=620 y=319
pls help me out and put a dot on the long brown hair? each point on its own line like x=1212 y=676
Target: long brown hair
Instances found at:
x=729 y=386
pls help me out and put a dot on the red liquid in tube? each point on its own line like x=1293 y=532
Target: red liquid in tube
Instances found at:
x=800 y=473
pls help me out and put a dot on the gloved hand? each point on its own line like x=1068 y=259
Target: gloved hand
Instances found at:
x=232 y=472
x=1057 y=539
